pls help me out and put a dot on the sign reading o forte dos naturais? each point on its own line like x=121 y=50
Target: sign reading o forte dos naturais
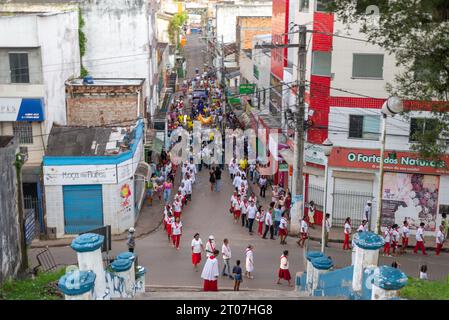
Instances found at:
x=393 y=161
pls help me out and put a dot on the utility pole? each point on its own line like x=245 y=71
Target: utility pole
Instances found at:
x=223 y=86
x=298 y=184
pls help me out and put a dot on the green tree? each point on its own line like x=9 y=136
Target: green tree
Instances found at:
x=417 y=33
x=175 y=25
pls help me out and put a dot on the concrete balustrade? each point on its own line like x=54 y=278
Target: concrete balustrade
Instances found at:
x=78 y=285
x=387 y=283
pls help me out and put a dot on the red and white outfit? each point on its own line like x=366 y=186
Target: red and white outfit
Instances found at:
x=284 y=273
x=347 y=232
x=176 y=233
x=405 y=235
x=177 y=209
x=196 y=251
x=387 y=238
x=395 y=239
x=238 y=208
x=210 y=274
x=304 y=229
x=166 y=216
x=168 y=223
x=283 y=225
x=233 y=203
x=260 y=216
x=210 y=248
x=439 y=242
x=362 y=228
x=242 y=191
x=253 y=199
x=420 y=241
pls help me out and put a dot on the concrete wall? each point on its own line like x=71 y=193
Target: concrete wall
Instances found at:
x=118 y=39
x=10 y=257
x=227 y=14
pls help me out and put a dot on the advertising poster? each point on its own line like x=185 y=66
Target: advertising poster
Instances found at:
x=411 y=197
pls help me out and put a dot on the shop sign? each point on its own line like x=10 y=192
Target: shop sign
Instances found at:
x=21 y=109
x=75 y=175
x=393 y=161
x=314 y=154
x=283 y=167
x=247 y=88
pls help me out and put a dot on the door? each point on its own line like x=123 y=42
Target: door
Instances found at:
x=83 y=208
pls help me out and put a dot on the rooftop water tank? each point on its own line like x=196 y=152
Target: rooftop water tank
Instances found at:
x=88 y=80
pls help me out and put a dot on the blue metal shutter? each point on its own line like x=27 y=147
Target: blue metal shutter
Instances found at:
x=83 y=208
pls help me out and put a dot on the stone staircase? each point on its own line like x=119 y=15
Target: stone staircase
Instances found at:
x=226 y=293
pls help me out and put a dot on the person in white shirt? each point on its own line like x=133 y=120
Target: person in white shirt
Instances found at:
x=210 y=272
x=439 y=240
x=233 y=202
x=347 y=232
x=176 y=228
x=405 y=232
x=367 y=213
x=252 y=211
x=237 y=209
x=167 y=211
x=169 y=222
x=244 y=211
x=284 y=273
x=420 y=239
x=226 y=253
x=237 y=181
x=197 y=248
x=423 y=273
x=269 y=224
x=387 y=238
x=304 y=232
x=362 y=227
x=328 y=226
x=232 y=168
x=260 y=217
x=252 y=171
x=263 y=186
x=188 y=185
x=283 y=229
x=177 y=205
x=249 y=261
x=394 y=238
x=253 y=198
x=210 y=246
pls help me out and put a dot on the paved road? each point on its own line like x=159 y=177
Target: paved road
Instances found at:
x=208 y=214
x=195 y=54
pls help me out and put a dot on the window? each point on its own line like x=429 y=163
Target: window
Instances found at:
x=322 y=5
x=365 y=65
x=364 y=127
x=419 y=126
x=321 y=63
x=304 y=5
x=24 y=131
x=18 y=64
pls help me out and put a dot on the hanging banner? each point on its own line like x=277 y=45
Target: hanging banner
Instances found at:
x=411 y=197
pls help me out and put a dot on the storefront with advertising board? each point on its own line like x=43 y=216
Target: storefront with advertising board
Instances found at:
x=412 y=189
x=86 y=192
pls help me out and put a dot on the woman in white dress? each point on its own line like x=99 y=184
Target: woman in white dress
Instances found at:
x=249 y=262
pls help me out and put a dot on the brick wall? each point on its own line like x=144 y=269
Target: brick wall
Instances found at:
x=250 y=27
x=90 y=110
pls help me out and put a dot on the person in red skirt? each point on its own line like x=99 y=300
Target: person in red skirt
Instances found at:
x=284 y=273
x=283 y=229
x=260 y=217
x=197 y=248
x=237 y=209
x=177 y=207
x=347 y=232
x=233 y=202
x=176 y=231
x=167 y=210
x=168 y=224
x=210 y=273
x=387 y=238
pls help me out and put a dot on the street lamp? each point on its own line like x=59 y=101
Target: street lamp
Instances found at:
x=327 y=148
x=391 y=107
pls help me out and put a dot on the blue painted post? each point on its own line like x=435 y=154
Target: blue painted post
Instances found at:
x=123 y=269
x=387 y=283
x=366 y=255
x=88 y=250
x=78 y=285
x=320 y=265
x=309 y=275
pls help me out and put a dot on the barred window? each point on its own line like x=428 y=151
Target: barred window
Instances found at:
x=18 y=63
x=23 y=131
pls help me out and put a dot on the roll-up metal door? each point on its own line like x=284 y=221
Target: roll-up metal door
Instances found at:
x=83 y=208
x=350 y=198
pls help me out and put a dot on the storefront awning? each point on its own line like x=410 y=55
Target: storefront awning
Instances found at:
x=288 y=156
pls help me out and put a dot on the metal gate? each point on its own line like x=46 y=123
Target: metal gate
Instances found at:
x=349 y=204
x=83 y=208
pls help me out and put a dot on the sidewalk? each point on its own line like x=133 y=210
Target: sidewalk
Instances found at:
x=150 y=218
x=336 y=233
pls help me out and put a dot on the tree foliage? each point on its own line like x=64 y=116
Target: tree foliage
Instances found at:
x=175 y=25
x=417 y=33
